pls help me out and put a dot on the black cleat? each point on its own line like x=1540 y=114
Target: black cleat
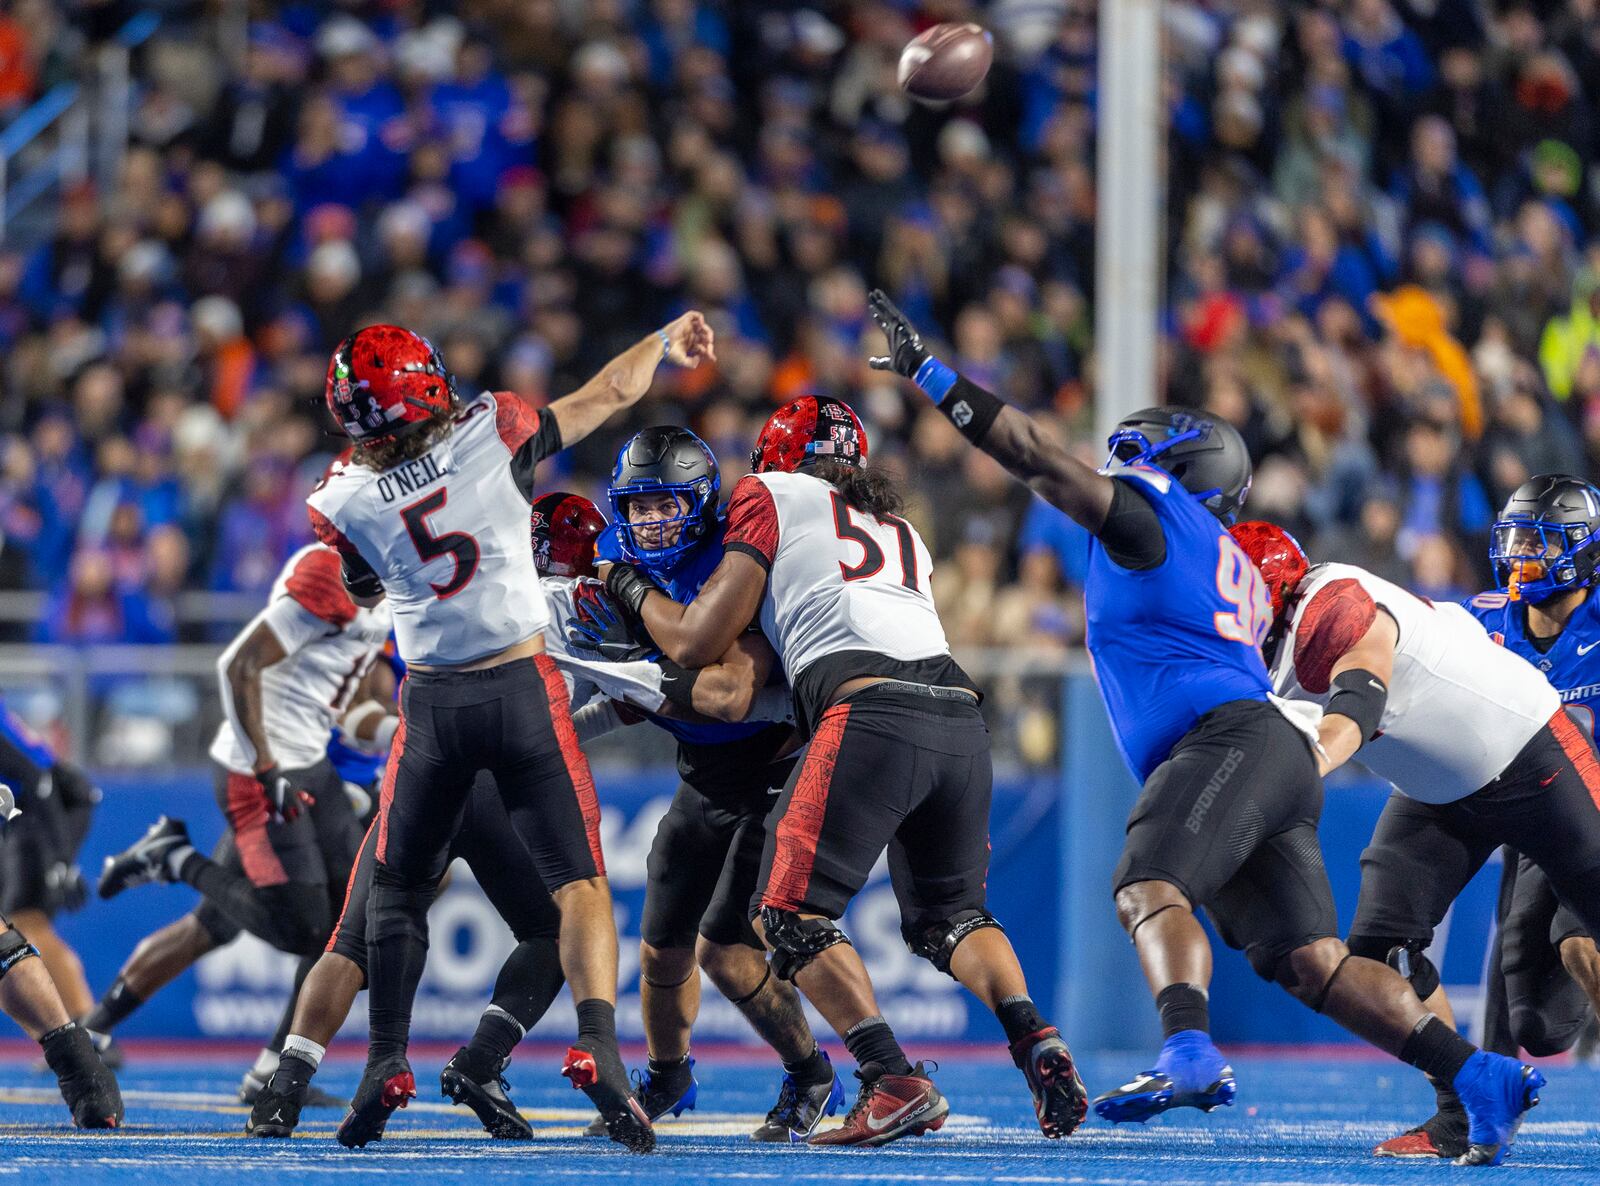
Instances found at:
x=599 y=1075
x=252 y=1085
x=794 y=1118
x=275 y=1113
x=658 y=1095
x=486 y=1096
x=145 y=860
x=384 y=1087
x=1060 y=1099
x=89 y=1089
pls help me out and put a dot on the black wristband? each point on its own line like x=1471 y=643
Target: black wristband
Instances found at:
x=677 y=683
x=1361 y=696
x=971 y=409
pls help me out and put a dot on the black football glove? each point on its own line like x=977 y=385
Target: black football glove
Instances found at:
x=600 y=626
x=906 y=351
x=629 y=586
x=284 y=799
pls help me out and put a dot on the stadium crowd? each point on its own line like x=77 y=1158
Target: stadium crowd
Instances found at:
x=1380 y=262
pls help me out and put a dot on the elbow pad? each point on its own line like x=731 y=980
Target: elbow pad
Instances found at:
x=1361 y=696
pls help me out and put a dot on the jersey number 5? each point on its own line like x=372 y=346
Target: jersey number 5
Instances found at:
x=871 y=551
x=456 y=544
x=1241 y=586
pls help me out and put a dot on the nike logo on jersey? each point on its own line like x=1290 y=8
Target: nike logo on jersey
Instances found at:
x=1544 y=782
x=1372 y=683
x=877 y=1125
x=1584 y=650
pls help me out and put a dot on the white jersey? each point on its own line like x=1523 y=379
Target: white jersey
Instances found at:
x=839 y=582
x=329 y=644
x=447 y=533
x=588 y=675
x=1460 y=708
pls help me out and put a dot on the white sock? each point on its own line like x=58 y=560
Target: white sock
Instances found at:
x=266 y=1062
x=304 y=1048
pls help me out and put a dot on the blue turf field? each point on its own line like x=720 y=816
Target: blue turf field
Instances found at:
x=1298 y=1120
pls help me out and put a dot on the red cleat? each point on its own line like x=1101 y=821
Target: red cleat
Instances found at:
x=889 y=1107
x=1435 y=1138
x=1060 y=1100
x=607 y=1088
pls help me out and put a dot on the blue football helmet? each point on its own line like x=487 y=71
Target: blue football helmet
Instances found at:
x=667 y=460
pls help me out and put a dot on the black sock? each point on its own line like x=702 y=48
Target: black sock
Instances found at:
x=1020 y=1017
x=293 y=1072
x=670 y=1073
x=492 y=1042
x=1449 y=1102
x=1183 y=1007
x=1436 y=1050
x=114 y=1008
x=597 y=1022
x=873 y=1041
x=812 y=1070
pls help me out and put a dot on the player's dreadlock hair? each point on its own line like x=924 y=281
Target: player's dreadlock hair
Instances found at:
x=867 y=488
x=392 y=451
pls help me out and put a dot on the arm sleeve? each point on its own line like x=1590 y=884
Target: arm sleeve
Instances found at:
x=752 y=521
x=1132 y=535
x=1333 y=621
x=358 y=576
x=316 y=584
x=530 y=436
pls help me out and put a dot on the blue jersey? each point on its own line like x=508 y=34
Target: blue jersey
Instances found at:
x=682 y=582
x=1572 y=662
x=25 y=739
x=1172 y=643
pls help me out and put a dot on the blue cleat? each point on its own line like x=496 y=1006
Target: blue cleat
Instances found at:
x=1189 y=1073
x=1497 y=1092
x=794 y=1118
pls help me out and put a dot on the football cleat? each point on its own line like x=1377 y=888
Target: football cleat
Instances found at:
x=89 y=1089
x=274 y=1112
x=145 y=860
x=1060 y=1100
x=1497 y=1092
x=385 y=1087
x=253 y=1084
x=1189 y=1073
x=487 y=1097
x=599 y=1075
x=888 y=1107
x=658 y=1096
x=800 y=1109
x=1438 y=1136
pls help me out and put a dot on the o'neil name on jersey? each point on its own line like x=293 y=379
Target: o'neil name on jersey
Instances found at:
x=409 y=478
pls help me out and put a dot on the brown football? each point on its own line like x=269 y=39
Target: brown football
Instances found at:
x=946 y=61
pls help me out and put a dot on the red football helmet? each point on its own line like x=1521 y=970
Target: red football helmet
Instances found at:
x=384 y=382
x=1277 y=554
x=813 y=426
x=565 y=527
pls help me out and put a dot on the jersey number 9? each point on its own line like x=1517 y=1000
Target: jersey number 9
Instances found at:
x=1241 y=586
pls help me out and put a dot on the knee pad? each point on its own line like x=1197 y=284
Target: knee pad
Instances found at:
x=1406 y=956
x=937 y=943
x=797 y=941
x=14 y=949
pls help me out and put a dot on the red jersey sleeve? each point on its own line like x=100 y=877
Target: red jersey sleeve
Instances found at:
x=1333 y=621
x=356 y=574
x=317 y=583
x=530 y=436
x=752 y=521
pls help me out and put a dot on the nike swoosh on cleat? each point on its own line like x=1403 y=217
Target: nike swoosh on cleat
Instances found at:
x=876 y=1125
